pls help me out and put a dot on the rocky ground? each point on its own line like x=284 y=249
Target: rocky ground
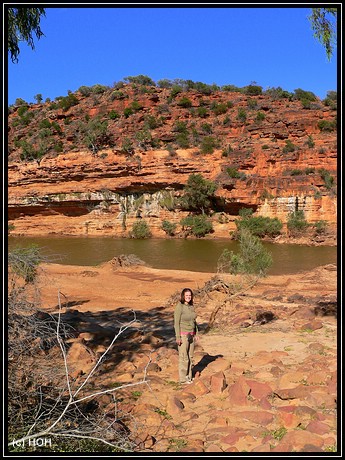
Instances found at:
x=265 y=373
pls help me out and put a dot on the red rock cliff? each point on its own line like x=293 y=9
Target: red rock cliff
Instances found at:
x=94 y=167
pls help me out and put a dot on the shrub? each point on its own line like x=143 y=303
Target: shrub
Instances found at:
x=310 y=142
x=180 y=126
x=207 y=128
x=278 y=93
x=220 y=109
x=169 y=227
x=326 y=176
x=289 y=147
x=331 y=100
x=185 y=102
x=208 y=144
x=231 y=89
x=128 y=112
x=320 y=227
x=140 y=80
x=233 y=172
x=38 y=98
x=182 y=141
x=296 y=223
x=202 y=112
x=326 y=125
x=151 y=122
x=296 y=172
x=175 y=90
x=260 y=116
x=113 y=115
x=117 y=94
x=252 y=90
x=99 y=89
x=253 y=258
x=85 y=90
x=140 y=230
x=198 y=226
x=241 y=115
x=198 y=192
x=303 y=95
x=260 y=226
x=44 y=123
x=67 y=102
x=252 y=103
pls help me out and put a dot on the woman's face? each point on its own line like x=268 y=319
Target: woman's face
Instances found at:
x=187 y=296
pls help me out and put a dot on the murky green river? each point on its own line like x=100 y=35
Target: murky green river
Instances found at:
x=195 y=255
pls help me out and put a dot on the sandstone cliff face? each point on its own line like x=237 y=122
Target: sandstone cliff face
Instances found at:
x=103 y=177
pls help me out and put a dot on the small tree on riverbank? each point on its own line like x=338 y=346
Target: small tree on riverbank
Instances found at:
x=198 y=193
x=249 y=265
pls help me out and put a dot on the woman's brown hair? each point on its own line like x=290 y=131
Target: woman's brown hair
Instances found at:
x=182 y=299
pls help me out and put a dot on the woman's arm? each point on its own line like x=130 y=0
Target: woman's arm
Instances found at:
x=177 y=319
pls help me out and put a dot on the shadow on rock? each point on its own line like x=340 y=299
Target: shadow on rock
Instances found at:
x=204 y=362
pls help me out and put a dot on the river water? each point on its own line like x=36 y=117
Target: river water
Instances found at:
x=200 y=255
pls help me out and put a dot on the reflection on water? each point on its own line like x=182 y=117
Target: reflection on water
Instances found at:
x=176 y=254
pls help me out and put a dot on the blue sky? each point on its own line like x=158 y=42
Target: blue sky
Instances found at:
x=272 y=46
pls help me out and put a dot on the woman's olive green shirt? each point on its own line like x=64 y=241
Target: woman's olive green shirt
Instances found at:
x=184 y=319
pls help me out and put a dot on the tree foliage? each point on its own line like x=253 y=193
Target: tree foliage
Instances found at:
x=324 y=24
x=197 y=192
x=22 y=23
x=253 y=258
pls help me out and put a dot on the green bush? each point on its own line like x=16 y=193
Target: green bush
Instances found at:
x=219 y=109
x=310 y=142
x=278 y=93
x=185 y=102
x=202 y=112
x=169 y=227
x=252 y=103
x=260 y=116
x=233 y=172
x=253 y=258
x=326 y=125
x=252 y=90
x=241 y=115
x=296 y=223
x=207 y=128
x=99 y=89
x=180 y=126
x=289 y=147
x=231 y=89
x=128 y=112
x=113 y=115
x=208 y=144
x=327 y=177
x=320 y=227
x=85 y=90
x=198 y=226
x=260 y=226
x=182 y=141
x=303 y=95
x=140 y=230
x=331 y=100
x=140 y=80
x=198 y=193
x=67 y=102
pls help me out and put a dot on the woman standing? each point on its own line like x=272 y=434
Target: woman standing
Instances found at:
x=185 y=331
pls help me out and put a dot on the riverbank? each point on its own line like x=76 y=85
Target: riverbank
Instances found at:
x=253 y=379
